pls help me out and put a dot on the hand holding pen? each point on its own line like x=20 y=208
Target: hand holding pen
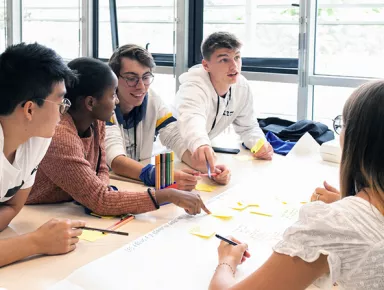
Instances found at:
x=203 y=155
x=232 y=251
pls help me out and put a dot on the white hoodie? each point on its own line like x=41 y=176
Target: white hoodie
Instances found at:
x=197 y=105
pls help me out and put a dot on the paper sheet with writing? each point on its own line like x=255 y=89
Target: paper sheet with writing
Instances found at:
x=171 y=257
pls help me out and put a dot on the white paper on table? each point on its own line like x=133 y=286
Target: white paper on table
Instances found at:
x=170 y=257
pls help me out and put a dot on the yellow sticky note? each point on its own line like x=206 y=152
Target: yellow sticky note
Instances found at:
x=244 y=157
x=239 y=206
x=91 y=236
x=262 y=213
x=222 y=213
x=201 y=232
x=205 y=187
x=247 y=203
x=258 y=145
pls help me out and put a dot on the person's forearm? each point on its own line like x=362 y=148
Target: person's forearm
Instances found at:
x=18 y=248
x=222 y=279
x=7 y=213
x=127 y=167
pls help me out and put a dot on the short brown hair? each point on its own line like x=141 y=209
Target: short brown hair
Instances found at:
x=219 y=40
x=131 y=51
x=362 y=163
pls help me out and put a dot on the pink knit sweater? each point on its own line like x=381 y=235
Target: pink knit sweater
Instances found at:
x=68 y=172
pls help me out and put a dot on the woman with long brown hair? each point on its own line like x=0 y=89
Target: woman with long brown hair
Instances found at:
x=339 y=242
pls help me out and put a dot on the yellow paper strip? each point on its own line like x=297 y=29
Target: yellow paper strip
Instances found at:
x=205 y=187
x=91 y=236
x=260 y=213
x=222 y=213
x=201 y=232
x=244 y=157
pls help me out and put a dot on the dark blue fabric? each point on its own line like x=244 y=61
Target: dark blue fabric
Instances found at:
x=279 y=146
x=134 y=117
x=162 y=125
x=293 y=131
x=148 y=175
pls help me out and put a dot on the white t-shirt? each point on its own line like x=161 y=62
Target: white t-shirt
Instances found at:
x=21 y=174
x=350 y=232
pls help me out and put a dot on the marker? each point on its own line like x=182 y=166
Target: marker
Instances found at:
x=124 y=219
x=226 y=240
x=205 y=174
x=104 y=231
x=172 y=168
x=157 y=173
x=260 y=143
x=209 y=170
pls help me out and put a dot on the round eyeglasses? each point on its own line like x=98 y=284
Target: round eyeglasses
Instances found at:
x=133 y=81
x=63 y=106
x=338 y=124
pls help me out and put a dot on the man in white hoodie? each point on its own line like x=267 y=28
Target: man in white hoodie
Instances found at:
x=213 y=96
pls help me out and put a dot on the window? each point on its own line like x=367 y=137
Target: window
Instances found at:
x=139 y=22
x=350 y=38
x=274 y=99
x=267 y=28
x=105 y=37
x=328 y=102
x=55 y=24
x=3 y=23
x=165 y=86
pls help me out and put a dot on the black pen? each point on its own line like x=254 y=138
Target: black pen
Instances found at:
x=226 y=240
x=104 y=231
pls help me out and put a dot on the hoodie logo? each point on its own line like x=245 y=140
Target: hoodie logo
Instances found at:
x=228 y=113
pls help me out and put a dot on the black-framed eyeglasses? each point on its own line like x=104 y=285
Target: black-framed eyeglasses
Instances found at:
x=132 y=81
x=338 y=124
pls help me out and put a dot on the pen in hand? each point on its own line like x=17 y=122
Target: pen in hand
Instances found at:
x=226 y=240
x=246 y=253
x=104 y=231
x=209 y=170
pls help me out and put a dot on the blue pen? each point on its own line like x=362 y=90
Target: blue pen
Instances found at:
x=209 y=170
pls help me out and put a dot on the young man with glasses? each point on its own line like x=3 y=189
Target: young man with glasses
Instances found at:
x=32 y=88
x=214 y=96
x=139 y=118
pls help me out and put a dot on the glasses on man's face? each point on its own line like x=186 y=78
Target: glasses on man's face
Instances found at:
x=338 y=124
x=63 y=106
x=133 y=81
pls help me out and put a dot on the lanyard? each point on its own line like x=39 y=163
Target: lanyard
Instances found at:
x=218 y=106
x=133 y=156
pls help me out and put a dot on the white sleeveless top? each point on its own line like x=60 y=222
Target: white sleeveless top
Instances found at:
x=350 y=232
